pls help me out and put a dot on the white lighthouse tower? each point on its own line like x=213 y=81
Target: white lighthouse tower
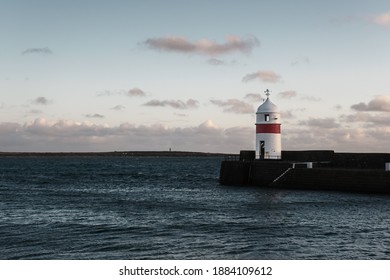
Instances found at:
x=268 y=137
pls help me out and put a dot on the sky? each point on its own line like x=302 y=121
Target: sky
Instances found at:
x=189 y=75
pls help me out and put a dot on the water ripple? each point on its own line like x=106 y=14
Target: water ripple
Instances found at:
x=173 y=208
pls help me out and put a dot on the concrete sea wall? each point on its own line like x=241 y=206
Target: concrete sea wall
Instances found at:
x=352 y=172
x=234 y=173
x=334 y=179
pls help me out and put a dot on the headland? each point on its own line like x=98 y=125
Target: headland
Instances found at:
x=113 y=154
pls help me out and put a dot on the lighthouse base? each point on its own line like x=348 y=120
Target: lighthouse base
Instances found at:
x=268 y=146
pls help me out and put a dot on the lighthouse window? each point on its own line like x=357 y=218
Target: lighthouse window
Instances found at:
x=266 y=118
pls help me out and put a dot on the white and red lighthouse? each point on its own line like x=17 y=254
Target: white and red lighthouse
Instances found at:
x=268 y=136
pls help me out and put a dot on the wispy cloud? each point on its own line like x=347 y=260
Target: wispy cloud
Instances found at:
x=216 y=62
x=204 y=46
x=288 y=114
x=118 y=108
x=300 y=60
x=220 y=62
x=34 y=112
x=380 y=103
x=134 y=92
x=42 y=51
x=287 y=94
x=311 y=98
x=234 y=106
x=253 y=97
x=94 y=116
x=263 y=76
x=41 y=101
x=381 y=19
x=176 y=104
x=110 y=92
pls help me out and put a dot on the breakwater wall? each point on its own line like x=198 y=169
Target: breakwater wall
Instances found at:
x=315 y=170
x=339 y=160
x=334 y=179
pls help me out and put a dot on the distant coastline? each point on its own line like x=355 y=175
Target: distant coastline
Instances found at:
x=114 y=154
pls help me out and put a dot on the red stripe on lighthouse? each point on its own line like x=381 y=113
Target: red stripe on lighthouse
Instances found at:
x=268 y=128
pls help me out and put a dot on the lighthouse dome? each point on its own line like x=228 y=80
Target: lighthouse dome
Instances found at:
x=267 y=107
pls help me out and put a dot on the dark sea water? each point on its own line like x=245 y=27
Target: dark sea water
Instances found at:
x=174 y=208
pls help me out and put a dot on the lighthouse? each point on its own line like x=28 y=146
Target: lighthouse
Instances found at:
x=268 y=137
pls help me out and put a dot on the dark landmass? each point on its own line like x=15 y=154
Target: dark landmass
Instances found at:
x=113 y=154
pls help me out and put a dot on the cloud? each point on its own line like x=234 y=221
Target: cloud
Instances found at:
x=136 y=92
x=34 y=112
x=216 y=62
x=234 y=106
x=361 y=131
x=339 y=138
x=263 y=76
x=41 y=101
x=109 y=93
x=42 y=51
x=287 y=114
x=321 y=123
x=118 y=108
x=209 y=124
x=8 y=127
x=204 y=46
x=300 y=60
x=67 y=135
x=311 y=98
x=379 y=103
x=381 y=19
x=287 y=94
x=176 y=104
x=381 y=119
x=253 y=97
x=95 y=116
x=181 y=115
x=220 y=62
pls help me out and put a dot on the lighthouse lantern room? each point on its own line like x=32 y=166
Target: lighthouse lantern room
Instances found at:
x=268 y=137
